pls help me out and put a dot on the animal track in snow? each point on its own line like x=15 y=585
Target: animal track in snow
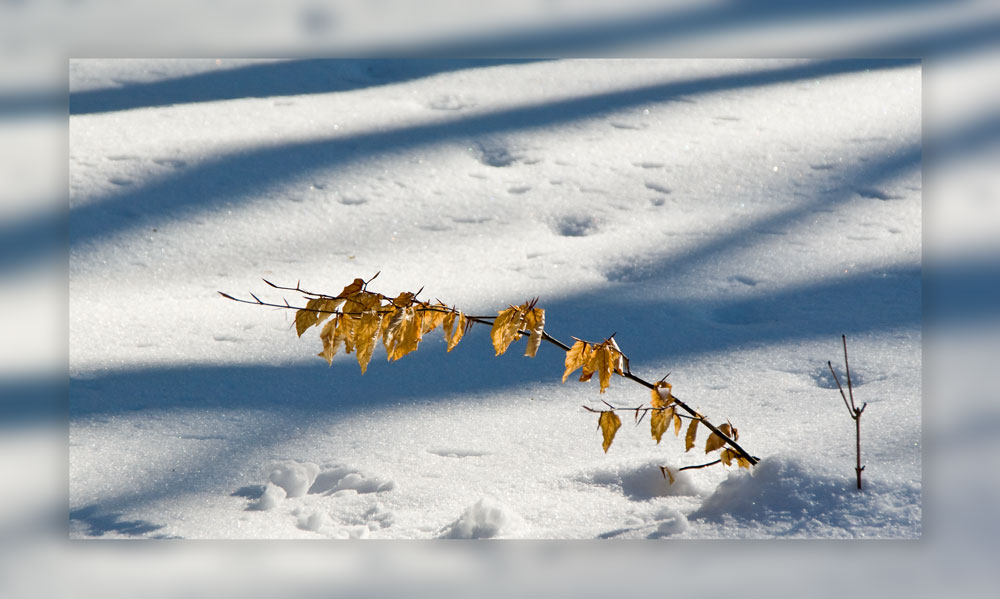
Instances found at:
x=458 y=453
x=575 y=226
x=657 y=187
x=877 y=194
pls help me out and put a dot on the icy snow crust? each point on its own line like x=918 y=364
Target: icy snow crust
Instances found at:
x=727 y=219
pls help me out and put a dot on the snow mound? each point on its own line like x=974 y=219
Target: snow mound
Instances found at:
x=671 y=521
x=314 y=520
x=269 y=499
x=486 y=519
x=643 y=482
x=344 y=478
x=294 y=477
x=791 y=497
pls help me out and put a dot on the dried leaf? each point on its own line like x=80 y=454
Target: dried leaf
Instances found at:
x=534 y=321
x=403 y=334
x=403 y=300
x=606 y=360
x=727 y=455
x=620 y=361
x=692 y=432
x=356 y=286
x=742 y=462
x=365 y=335
x=575 y=357
x=677 y=423
x=454 y=328
x=715 y=441
x=433 y=316
x=660 y=396
x=505 y=328
x=392 y=324
x=609 y=423
x=667 y=474
x=316 y=311
x=659 y=419
x=589 y=363
x=329 y=337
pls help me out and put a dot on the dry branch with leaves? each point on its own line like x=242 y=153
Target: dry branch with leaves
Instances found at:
x=357 y=318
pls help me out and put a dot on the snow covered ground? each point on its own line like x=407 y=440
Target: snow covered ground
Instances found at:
x=728 y=220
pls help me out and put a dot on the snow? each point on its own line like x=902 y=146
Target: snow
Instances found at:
x=728 y=220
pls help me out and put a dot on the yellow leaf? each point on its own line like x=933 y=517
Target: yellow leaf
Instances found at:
x=658 y=398
x=575 y=357
x=411 y=335
x=454 y=328
x=692 y=432
x=403 y=300
x=620 y=362
x=742 y=462
x=677 y=423
x=726 y=455
x=505 y=327
x=534 y=321
x=351 y=289
x=365 y=335
x=667 y=474
x=609 y=423
x=316 y=311
x=605 y=361
x=345 y=332
x=392 y=324
x=589 y=363
x=658 y=422
x=329 y=338
x=433 y=316
x=715 y=441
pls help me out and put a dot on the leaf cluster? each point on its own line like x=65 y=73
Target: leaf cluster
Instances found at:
x=357 y=318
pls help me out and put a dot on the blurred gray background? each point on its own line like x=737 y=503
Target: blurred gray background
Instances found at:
x=959 y=45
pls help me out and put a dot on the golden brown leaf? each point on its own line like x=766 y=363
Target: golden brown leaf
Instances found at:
x=677 y=423
x=403 y=300
x=661 y=398
x=316 y=311
x=606 y=360
x=329 y=337
x=392 y=324
x=345 y=332
x=609 y=423
x=505 y=328
x=534 y=321
x=589 y=363
x=365 y=335
x=726 y=455
x=742 y=462
x=667 y=474
x=351 y=289
x=659 y=420
x=433 y=316
x=454 y=328
x=411 y=335
x=575 y=357
x=715 y=441
x=692 y=432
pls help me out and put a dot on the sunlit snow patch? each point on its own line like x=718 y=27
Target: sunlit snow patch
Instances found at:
x=486 y=519
x=787 y=497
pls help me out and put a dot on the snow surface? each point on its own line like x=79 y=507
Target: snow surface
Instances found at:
x=727 y=219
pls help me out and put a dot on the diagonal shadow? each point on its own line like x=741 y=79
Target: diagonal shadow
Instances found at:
x=290 y=78
x=238 y=175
